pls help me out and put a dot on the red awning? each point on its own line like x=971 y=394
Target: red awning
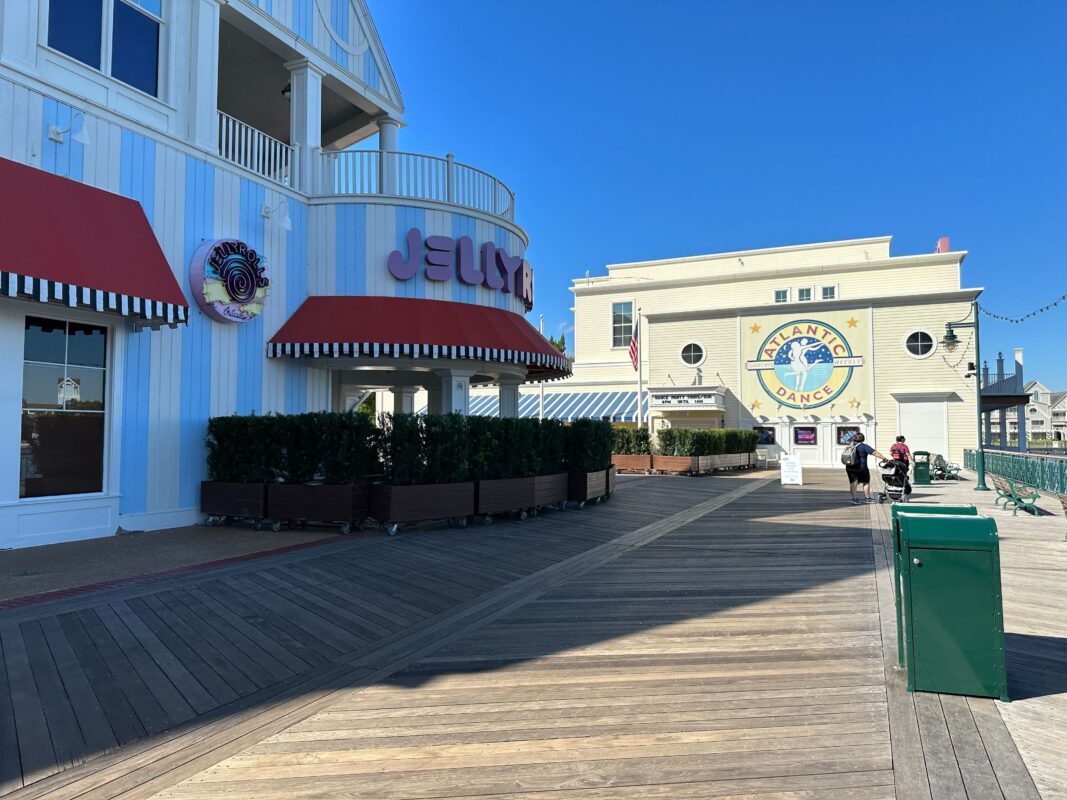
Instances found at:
x=401 y=327
x=64 y=242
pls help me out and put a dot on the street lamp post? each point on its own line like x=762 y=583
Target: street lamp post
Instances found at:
x=950 y=343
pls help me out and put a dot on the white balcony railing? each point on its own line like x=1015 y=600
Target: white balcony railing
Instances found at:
x=254 y=150
x=370 y=172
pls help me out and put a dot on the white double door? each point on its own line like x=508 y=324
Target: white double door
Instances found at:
x=924 y=423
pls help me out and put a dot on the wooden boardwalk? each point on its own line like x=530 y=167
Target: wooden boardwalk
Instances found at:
x=719 y=637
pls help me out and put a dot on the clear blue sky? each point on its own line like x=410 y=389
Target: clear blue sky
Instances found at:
x=646 y=130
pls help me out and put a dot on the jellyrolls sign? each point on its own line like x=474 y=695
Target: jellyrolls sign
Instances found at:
x=228 y=281
x=443 y=258
x=806 y=363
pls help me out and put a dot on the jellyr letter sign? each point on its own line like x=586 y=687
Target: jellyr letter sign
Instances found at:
x=227 y=280
x=444 y=258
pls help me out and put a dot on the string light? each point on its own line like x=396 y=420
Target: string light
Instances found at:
x=1024 y=317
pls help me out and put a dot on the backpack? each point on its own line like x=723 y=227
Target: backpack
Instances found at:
x=848 y=457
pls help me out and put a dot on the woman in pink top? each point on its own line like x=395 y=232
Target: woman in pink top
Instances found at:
x=900 y=451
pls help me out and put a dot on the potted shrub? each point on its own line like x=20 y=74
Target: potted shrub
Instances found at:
x=506 y=465
x=424 y=460
x=551 y=484
x=587 y=455
x=324 y=471
x=243 y=452
x=630 y=450
x=676 y=452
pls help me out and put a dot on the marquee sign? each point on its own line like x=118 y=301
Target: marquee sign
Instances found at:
x=228 y=282
x=446 y=258
x=804 y=363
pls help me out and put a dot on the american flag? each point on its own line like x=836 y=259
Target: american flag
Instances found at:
x=633 y=347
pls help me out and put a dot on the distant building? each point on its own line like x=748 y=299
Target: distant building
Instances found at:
x=1046 y=415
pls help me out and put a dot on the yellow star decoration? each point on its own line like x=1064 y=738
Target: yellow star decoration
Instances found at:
x=755 y=404
x=853 y=403
x=755 y=328
x=852 y=323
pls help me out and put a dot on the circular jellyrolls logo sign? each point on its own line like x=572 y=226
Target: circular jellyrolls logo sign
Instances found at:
x=228 y=281
x=804 y=364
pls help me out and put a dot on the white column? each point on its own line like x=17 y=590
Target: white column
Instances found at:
x=450 y=392
x=305 y=119
x=1002 y=418
x=404 y=399
x=18 y=33
x=509 y=395
x=388 y=169
x=202 y=68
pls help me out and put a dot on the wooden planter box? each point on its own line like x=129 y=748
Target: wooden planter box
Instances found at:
x=611 y=479
x=632 y=463
x=551 y=490
x=504 y=495
x=221 y=499
x=676 y=463
x=320 y=502
x=584 y=486
x=421 y=502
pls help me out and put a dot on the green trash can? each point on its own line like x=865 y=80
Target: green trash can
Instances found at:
x=922 y=468
x=913 y=508
x=953 y=612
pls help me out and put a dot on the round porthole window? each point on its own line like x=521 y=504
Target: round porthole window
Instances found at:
x=693 y=354
x=919 y=344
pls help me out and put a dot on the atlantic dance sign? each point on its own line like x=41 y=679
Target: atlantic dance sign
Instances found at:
x=443 y=258
x=804 y=363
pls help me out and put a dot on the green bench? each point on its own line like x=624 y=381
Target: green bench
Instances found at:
x=946 y=470
x=1015 y=495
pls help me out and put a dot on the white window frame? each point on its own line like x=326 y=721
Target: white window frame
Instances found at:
x=106 y=48
x=703 y=354
x=114 y=355
x=774 y=296
x=909 y=334
x=811 y=294
x=633 y=320
x=822 y=292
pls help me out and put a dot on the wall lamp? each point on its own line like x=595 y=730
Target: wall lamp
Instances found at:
x=56 y=134
x=282 y=210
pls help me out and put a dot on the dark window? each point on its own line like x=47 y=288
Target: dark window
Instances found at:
x=63 y=383
x=692 y=354
x=135 y=48
x=622 y=324
x=805 y=435
x=920 y=343
x=845 y=435
x=765 y=435
x=74 y=28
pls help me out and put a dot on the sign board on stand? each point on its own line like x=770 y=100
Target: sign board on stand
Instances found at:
x=792 y=471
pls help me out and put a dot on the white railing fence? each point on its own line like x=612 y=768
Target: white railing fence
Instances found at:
x=412 y=175
x=254 y=150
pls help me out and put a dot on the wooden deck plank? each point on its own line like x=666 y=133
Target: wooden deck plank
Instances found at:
x=92 y=721
x=1012 y=775
x=67 y=741
x=247 y=658
x=36 y=753
x=121 y=716
x=10 y=766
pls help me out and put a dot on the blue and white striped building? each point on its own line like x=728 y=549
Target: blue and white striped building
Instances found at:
x=224 y=120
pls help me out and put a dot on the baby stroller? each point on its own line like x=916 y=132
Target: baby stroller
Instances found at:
x=895 y=477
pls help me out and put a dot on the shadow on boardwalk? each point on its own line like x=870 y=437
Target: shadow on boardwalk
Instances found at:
x=148 y=675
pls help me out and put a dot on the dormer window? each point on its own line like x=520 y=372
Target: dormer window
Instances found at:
x=121 y=38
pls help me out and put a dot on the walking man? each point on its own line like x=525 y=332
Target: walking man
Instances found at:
x=855 y=461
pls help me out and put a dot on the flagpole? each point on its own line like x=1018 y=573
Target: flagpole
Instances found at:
x=640 y=410
x=541 y=405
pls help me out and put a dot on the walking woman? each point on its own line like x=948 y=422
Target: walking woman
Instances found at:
x=855 y=461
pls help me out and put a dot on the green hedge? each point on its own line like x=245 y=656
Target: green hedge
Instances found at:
x=405 y=448
x=295 y=448
x=705 y=441
x=630 y=441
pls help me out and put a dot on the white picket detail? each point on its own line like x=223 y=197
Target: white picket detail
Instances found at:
x=396 y=174
x=257 y=152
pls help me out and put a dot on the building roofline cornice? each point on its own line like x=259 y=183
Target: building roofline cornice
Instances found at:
x=958 y=295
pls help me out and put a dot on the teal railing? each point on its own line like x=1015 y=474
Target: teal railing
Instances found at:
x=1048 y=473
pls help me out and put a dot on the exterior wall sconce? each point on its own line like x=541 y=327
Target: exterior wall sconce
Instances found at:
x=57 y=134
x=282 y=210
